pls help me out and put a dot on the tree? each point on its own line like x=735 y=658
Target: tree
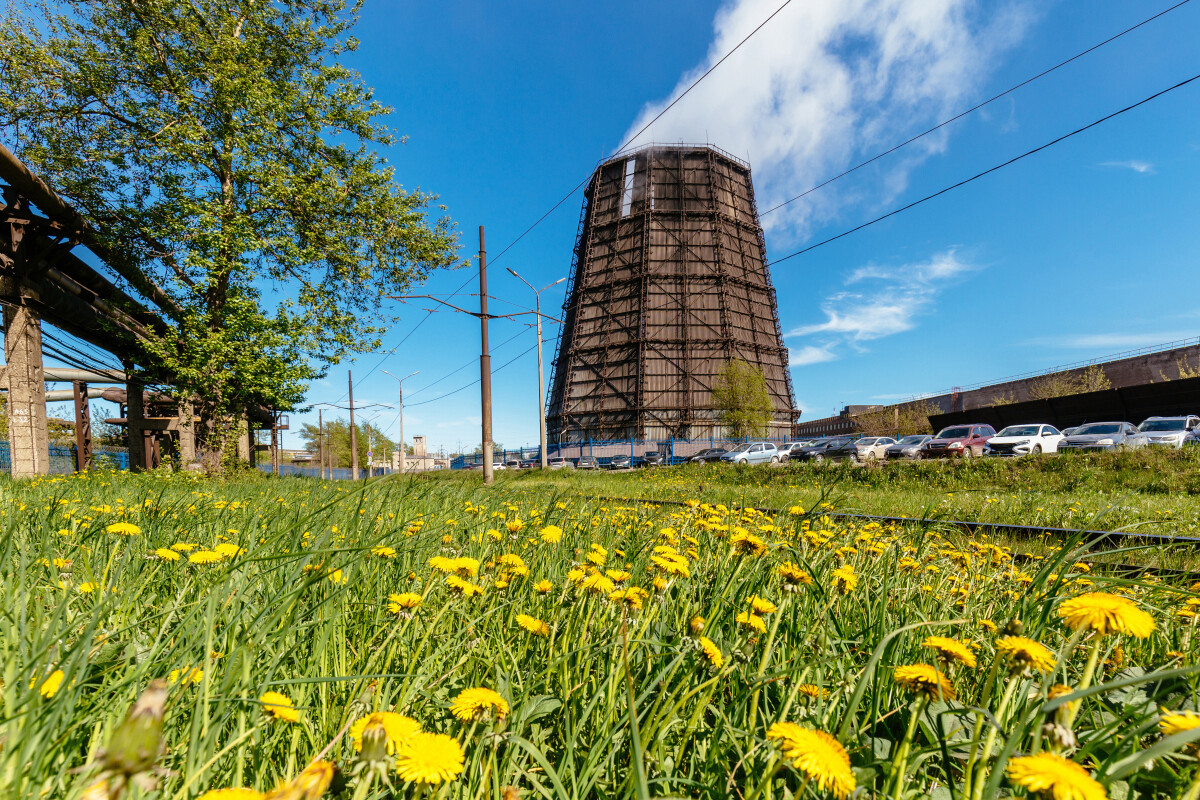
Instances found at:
x=742 y=401
x=897 y=420
x=222 y=147
x=337 y=441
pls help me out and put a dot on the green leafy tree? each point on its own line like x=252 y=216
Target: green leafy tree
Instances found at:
x=742 y=401
x=222 y=147
x=337 y=440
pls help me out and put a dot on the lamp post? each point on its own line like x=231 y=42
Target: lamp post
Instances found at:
x=537 y=296
x=403 y=452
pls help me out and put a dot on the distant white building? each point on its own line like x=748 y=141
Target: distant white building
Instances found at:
x=419 y=460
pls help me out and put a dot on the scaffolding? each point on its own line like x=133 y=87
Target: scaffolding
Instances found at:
x=668 y=284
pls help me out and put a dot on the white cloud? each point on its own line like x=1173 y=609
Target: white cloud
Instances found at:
x=1142 y=167
x=891 y=302
x=827 y=83
x=809 y=354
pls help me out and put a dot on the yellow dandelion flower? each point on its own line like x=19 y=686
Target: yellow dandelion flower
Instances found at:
x=228 y=550
x=463 y=588
x=712 y=653
x=513 y=561
x=165 y=553
x=696 y=625
x=404 y=602
x=924 y=679
x=812 y=690
x=747 y=544
x=204 y=557
x=633 y=597
x=514 y=525
x=86 y=588
x=1051 y=776
x=336 y=576
x=597 y=583
x=312 y=782
x=400 y=729
x=551 y=534
x=844 y=579
x=533 y=625
x=951 y=650
x=430 y=758
x=1106 y=613
x=477 y=703
x=50 y=686
x=751 y=621
x=442 y=564
x=816 y=754
x=229 y=794
x=618 y=575
x=761 y=606
x=794 y=576
x=383 y=551
x=184 y=547
x=543 y=587
x=186 y=676
x=1023 y=653
x=466 y=567
x=1178 y=721
x=123 y=529
x=279 y=706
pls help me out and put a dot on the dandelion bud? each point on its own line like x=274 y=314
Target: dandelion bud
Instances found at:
x=374 y=742
x=696 y=625
x=310 y=784
x=1014 y=627
x=137 y=743
x=1060 y=737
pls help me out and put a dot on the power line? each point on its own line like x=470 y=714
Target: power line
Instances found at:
x=974 y=108
x=977 y=176
x=472 y=383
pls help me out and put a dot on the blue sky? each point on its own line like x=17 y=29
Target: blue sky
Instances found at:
x=1085 y=249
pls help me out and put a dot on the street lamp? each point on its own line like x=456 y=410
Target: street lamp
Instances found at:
x=537 y=295
x=403 y=452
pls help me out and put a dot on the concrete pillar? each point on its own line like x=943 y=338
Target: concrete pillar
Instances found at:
x=245 y=440
x=135 y=415
x=29 y=443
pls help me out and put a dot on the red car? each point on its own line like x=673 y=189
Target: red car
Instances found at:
x=965 y=441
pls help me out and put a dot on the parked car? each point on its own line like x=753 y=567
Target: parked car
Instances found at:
x=620 y=462
x=558 y=462
x=965 y=441
x=709 y=456
x=513 y=464
x=839 y=448
x=872 y=448
x=653 y=458
x=753 y=453
x=587 y=462
x=530 y=463
x=1069 y=431
x=1024 y=440
x=1166 y=431
x=908 y=446
x=497 y=465
x=785 y=451
x=1100 y=436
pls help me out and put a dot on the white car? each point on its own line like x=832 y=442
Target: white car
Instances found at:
x=1024 y=440
x=558 y=462
x=1165 y=431
x=498 y=465
x=873 y=448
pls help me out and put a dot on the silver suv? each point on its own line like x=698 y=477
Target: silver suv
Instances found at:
x=1166 y=431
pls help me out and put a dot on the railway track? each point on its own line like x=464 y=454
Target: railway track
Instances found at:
x=1095 y=538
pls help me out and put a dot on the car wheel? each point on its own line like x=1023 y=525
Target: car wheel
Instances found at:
x=817 y=459
x=1036 y=451
x=871 y=455
x=968 y=453
x=774 y=459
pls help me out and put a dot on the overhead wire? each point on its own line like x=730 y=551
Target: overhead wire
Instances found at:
x=989 y=171
x=974 y=108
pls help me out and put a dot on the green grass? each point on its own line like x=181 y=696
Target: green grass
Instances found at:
x=617 y=701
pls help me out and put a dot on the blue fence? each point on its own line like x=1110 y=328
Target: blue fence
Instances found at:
x=62 y=458
x=337 y=473
x=674 y=451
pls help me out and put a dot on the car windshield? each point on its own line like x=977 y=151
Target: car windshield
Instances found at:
x=741 y=448
x=1099 y=427
x=839 y=443
x=867 y=442
x=955 y=433
x=912 y=440
x=1163 y=425
x=1020 y=430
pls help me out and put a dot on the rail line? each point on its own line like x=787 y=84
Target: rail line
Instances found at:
x=1092 y=536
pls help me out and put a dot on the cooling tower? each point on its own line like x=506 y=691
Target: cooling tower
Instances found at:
x=667 y=286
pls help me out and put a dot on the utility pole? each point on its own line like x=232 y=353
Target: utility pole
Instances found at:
x=537 y=297
x=353 y=432
x=485 y=366
x=403 y=452
x=321 y=442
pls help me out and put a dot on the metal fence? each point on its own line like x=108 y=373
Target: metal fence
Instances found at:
x=336 y=473
x=62 y=458
x=674 y=451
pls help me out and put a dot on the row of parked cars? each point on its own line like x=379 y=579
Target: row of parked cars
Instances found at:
x=955 y=441
x=967 y=441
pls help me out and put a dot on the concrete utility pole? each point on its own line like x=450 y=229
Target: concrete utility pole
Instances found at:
x=321 y=443
x=485 y=366
x=353 y=432
x=403 y=452
x=537 y=297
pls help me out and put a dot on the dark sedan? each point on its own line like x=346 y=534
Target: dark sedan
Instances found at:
x=587 y=462
x=838 y=449
x=653 y=458
x=620 y=462
x=710 y=456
